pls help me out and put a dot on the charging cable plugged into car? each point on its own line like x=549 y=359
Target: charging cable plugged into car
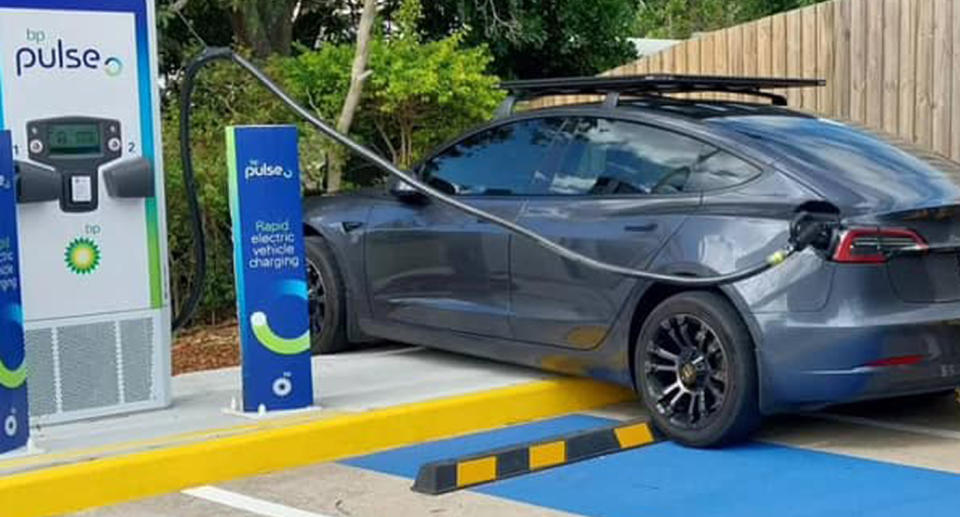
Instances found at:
x=809 y=228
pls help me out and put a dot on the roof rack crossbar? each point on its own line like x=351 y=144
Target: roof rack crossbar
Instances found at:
x=640 y=85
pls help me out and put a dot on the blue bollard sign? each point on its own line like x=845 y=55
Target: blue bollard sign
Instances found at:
x=14 y=418
x=269 y=266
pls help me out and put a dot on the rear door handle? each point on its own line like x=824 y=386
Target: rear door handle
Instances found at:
x=641 y=228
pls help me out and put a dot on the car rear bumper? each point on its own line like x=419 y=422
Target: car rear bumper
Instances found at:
x=864 y=346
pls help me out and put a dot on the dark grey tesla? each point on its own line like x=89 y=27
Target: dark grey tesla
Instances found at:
x=672 y=186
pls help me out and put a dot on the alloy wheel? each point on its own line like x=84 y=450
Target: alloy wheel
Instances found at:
x=686 y=371
x=316 y=299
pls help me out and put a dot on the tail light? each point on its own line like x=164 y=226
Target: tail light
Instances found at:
x=874 y=245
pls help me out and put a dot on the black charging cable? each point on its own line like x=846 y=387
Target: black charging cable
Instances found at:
x=804 y=230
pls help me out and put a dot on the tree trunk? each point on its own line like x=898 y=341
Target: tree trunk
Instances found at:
x=358 y=75
x=265 y=26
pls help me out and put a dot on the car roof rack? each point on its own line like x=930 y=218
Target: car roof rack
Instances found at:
x=652 y=84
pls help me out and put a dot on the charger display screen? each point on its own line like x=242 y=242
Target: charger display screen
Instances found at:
x=74 y=139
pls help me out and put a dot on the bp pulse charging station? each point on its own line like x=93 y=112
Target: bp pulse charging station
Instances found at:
x=269 y=270
x=13 y=369
x=79 y=95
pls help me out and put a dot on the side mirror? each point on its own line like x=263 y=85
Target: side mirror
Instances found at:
x=406 y=193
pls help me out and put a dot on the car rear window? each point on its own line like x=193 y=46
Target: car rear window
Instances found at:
x=831 y=146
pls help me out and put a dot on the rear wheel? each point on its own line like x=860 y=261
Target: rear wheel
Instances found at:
x=696 y=371
x=326 y=299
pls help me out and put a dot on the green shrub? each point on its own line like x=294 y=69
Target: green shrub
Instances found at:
x=418 y=95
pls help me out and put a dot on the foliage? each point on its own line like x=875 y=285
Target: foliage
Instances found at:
x=210 y=18
x=418 y=95
x=250 y=24
x=680 y=19
x=539 y=38
x=264 y=26
x=224 y=96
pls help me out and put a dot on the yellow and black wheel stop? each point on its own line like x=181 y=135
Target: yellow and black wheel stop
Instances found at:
x=448 y=475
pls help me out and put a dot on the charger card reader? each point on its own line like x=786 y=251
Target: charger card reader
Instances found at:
x=76 y=148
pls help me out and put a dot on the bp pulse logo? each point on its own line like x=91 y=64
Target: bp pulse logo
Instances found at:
x=44 y=51
x=255 y=170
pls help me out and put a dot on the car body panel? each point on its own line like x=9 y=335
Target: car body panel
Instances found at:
x=561 y=303
x=432 y=265
x=419 y=273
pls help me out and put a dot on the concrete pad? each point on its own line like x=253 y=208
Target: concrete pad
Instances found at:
x=173 y=505
x=934 y=412
x=908 y=449
x=345 y=383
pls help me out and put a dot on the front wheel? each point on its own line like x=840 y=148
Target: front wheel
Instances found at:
x=696 y=371
x=326 y=299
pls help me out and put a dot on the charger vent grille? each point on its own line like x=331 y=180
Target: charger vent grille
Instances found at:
x=88 y=366
x=41 y=369
x=93 y=368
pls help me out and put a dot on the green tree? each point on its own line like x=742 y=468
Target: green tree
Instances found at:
x=539 y=38
x=225 y=95
x=418 y=94
x=264 y=26
x=210 y=18
x=267 y=27
x=680 y=19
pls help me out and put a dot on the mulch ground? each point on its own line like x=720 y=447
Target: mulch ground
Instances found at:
x=206 y=348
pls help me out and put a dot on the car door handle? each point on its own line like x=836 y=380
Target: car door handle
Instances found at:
x=641 y=228
x=349 y=226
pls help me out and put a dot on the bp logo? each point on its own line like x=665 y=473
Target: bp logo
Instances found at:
x=113 y=67
x=82 y=256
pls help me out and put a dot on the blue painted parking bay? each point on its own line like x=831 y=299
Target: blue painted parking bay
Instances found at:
x=666 y=480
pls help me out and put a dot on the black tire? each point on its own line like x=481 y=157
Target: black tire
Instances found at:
x=327 y=300
x=702 y=323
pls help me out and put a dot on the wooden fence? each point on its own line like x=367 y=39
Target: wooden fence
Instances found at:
x=891 y=65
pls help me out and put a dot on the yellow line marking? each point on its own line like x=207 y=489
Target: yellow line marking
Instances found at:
x=548 y=455
x=86 y=484
x=634 y=435
x=476 y=471
x=161 y=441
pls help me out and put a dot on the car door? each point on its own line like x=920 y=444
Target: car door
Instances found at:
x=616 y=193
x=432 y=265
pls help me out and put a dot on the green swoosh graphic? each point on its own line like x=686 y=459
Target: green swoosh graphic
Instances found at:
x=275 y=343
x=12 y=379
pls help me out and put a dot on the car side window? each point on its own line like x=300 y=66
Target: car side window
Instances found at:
x=608 y=157
x=720 y=170
x=500 y=161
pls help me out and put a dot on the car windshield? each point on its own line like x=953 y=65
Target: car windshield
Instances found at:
x=867 y=159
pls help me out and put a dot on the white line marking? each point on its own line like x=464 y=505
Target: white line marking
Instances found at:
x=907 y=428
x=247 y=503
